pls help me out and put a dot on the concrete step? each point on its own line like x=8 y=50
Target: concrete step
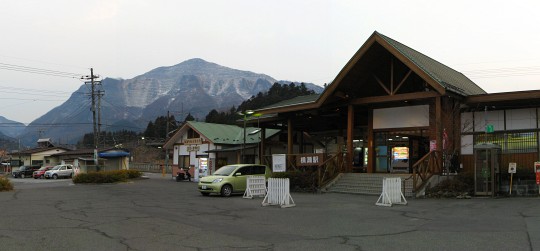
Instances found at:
x=368 y=184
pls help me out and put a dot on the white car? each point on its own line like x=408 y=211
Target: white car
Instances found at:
x=60 y=171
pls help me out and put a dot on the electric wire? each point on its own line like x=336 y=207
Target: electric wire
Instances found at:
x=34 y=70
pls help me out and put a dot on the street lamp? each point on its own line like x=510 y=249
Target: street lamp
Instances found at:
x=245 y=114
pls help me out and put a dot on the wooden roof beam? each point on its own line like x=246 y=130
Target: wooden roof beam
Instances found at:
x=393 y=98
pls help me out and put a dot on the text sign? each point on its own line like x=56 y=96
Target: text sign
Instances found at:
x=512 y=167
x=310 y=159
x=279 y=162
x=537 y=171
x=193 y=148
x=193 y=141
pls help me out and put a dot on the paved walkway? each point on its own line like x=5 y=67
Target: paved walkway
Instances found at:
x=161 y=214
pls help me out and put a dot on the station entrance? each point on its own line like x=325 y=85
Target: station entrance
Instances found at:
x=397 y=151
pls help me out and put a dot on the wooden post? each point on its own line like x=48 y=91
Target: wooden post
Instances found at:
x=289 y=137
x=371 y=149
x=438 y=129
x=350 y=137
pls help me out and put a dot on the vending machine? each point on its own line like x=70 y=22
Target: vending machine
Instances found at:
x=400 y=159
x=203 y=167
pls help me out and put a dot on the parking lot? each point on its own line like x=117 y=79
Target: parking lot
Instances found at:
x=160 y=214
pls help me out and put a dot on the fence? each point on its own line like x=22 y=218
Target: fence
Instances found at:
x=278 y=193
x=392 y=193
x=255 y=186
x=146 y=167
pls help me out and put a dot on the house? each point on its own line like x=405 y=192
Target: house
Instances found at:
x=203 y=147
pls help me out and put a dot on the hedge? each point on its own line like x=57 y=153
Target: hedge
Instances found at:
x=107 y=176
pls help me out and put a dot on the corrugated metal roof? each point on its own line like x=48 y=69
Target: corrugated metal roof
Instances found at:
x=447 y=77
x=229 y=134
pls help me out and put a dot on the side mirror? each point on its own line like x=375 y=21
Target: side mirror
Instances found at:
x=238 y=174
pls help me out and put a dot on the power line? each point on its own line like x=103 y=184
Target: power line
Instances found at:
x=35 y=70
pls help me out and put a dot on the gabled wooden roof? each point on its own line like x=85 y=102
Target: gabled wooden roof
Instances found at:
x=443 y=79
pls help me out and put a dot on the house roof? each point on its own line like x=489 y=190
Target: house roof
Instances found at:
x=220 y=133
x=441 y=77
x=38 y=150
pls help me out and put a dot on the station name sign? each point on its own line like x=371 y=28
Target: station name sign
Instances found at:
x=193 y=141
x=310 y=159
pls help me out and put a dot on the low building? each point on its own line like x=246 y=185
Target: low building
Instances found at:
x=203 y=147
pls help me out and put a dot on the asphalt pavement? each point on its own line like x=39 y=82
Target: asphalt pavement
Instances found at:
x=158 y=213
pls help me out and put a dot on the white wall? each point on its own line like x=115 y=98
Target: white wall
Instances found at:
x=401 y=117
x=521 y=119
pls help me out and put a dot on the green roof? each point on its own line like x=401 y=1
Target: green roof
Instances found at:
x=294 y=101
x=447 y=77
x=229 y=134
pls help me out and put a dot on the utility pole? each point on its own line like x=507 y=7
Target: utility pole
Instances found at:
x=95 y=123
x=167 y=149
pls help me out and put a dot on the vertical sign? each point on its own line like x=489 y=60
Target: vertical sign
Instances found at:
x=537 y=171
x=511 y=171
x=279 y=162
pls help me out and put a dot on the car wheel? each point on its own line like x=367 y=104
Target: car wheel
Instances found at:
x=226 y=190
x=22 y=175
x=205 y=194
x=55 y=176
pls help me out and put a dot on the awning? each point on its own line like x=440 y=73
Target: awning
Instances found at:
x=232 y=149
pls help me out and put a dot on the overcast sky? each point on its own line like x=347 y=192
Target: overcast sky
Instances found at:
x=494 y=43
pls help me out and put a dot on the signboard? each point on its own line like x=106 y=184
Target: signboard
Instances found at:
x=537 y=171
x=279 y=162
x=309 y=159
x=489 y=128
x=512 y=167
x=193 y=141
x=192 y=148
x=432 y=145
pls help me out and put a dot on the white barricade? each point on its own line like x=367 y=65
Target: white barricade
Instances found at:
x=278 y=193
x=391 y=193
x=255 y=186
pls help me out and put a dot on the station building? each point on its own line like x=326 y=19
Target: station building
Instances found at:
x=392 y=109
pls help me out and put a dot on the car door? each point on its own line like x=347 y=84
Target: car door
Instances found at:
x=240 y=178
x=62 y=171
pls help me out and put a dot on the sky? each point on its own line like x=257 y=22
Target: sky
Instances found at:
x=495 y=43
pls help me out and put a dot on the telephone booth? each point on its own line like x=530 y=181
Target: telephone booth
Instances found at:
x=486 y=169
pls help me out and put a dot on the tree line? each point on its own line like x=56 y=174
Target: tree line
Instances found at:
x=157 y=129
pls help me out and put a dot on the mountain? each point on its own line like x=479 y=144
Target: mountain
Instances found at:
x=10 y=128
x=194 y=86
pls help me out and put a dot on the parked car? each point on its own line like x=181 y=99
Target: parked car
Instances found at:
x=25 y=171
x=230 y=179
x=40 y=173
x=59 y=171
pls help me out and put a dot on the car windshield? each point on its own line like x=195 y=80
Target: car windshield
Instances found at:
x=56 y=168
x=225 y=170
x=21 y=168
x=43 y=168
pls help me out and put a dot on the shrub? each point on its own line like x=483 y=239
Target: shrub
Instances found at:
x=107 y=176
x=5 y=184
x=462 y=184
x=300 y=180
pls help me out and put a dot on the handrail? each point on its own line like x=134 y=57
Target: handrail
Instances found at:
x=424 y=169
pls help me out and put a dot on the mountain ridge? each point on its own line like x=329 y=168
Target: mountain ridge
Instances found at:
x=193 y=86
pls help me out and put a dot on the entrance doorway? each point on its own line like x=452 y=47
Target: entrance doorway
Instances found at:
x=397 y=151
